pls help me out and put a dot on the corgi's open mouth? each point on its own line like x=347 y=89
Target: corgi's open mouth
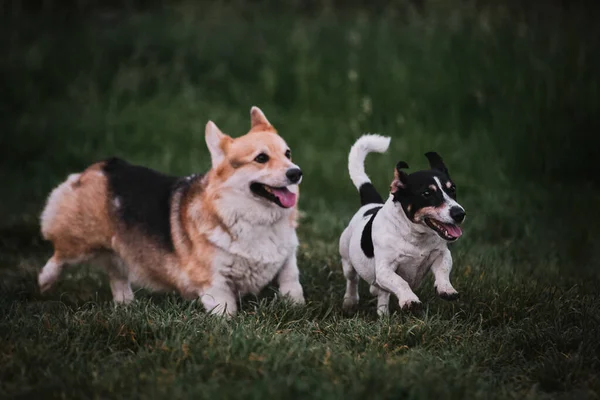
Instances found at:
x=278 y=195
x=449 y=232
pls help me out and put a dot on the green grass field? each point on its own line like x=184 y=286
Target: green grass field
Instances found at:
x=509 y=98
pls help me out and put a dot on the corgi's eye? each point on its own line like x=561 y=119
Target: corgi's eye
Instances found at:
x=261 y=158
x=288 y=154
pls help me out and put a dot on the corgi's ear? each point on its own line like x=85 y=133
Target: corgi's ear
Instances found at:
x=217 y=143
x=257 y=118
x=400 y=177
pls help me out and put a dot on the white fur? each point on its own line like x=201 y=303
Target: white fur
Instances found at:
x=49 y=274
x=53 y=203
x=358 y=152
x=120 y=277
x=260 y=246
x=249 y=262
x=404 y=251
x=444 y=215
x=261 y=243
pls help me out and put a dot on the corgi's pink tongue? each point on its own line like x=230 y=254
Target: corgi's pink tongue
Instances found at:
x=286 y=198
x=453 y=230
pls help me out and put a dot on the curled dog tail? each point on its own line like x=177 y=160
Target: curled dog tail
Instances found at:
x=356 y=165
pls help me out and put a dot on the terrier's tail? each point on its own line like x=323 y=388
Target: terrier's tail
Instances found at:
x=356 y=165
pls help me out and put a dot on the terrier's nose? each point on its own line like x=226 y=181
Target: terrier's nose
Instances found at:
x=294 y=174
x=457 y=214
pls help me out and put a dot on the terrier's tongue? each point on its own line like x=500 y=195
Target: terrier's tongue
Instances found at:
x=286 y=198
x=454 y=230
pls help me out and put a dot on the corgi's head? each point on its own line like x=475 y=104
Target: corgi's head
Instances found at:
x=428 y=197
x=258 y=164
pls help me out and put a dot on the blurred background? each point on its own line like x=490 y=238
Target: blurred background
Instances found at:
x=506 y=92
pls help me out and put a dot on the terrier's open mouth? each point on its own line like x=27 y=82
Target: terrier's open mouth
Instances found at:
x=449 y=232
x=278 y=195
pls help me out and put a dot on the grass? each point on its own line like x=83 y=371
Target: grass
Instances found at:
x=509 y=99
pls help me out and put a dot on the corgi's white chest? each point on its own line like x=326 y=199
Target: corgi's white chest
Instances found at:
x=253 y=255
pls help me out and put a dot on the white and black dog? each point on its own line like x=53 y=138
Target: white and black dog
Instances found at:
x=392 y=245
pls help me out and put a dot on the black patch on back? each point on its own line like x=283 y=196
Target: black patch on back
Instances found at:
x=373 y=210
x=369 y=195
x=144 y=198
x=366 y=239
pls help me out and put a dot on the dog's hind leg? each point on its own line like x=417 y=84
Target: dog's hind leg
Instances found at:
x=119 y=278
x=383 y=300
x=352 y=279
x=50 y=272
x=54 y=266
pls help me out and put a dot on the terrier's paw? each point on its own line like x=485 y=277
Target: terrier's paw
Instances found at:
x=350 y=305
x=383 y=311
x=296 y=300
x=294 y=294
x=412 y=306
x=448 y=294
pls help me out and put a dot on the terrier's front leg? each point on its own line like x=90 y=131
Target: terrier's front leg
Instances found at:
x=441 y=268
x=288 y=280
x=388 y=280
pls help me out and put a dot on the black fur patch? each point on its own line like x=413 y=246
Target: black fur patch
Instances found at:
x=373 y=210
x=366 y=239
x=144 y=198
x=369 y=195
x=417 y=193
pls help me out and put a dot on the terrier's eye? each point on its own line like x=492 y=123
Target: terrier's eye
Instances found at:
x=426 y=194
x=452 y=189
x=288 y=154
x=261 y=158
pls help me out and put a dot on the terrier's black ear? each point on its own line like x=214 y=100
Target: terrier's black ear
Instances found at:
x=436 y=162
x=400 y=177
x=401 y=165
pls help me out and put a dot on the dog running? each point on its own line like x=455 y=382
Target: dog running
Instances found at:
x=393 y=244
x=214 y=237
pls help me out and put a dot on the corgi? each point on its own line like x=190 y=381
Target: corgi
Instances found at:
x=393 y=244
x=215 y=236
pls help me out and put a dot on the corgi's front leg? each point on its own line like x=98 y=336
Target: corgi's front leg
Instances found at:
x=289 y=281
x=219 y=298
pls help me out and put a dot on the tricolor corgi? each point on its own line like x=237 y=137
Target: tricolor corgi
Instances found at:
x=214 y=237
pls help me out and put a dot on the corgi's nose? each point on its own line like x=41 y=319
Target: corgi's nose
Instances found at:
x=294 y=174
x=457 y=214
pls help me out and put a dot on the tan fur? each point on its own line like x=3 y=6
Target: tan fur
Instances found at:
x=258 y=121
x=80 y=220
x=426 y=212
x=151 y=266
x=240 y=152
x=396 y=183
x=76 y=218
